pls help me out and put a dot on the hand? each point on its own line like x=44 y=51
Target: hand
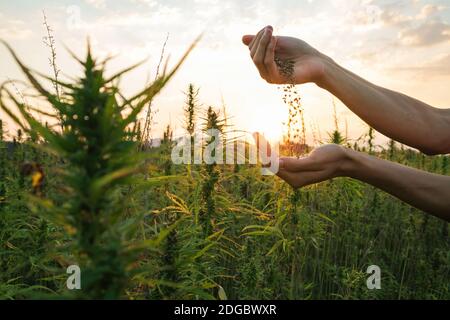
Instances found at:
x=324 y=163
x=309 y=64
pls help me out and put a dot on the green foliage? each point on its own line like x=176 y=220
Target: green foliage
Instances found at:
x=99 y=156
x=211 y=174
x=371 y=137
x=336 y=136
x=190 y=109
x=143 y=228
x=166 y=145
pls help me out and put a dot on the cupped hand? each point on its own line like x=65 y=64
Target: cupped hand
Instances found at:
x=309 y=64
x=323 y=163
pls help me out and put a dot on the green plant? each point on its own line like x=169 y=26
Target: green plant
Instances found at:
x=191 y=109
x=99 y=159
x=210 y=173
x=371 y=137
x=336 y=136
x=166 y=145
x=109 y=204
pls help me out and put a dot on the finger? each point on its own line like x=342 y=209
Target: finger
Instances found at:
x=296 y=165
x=247 y=39
x=299 y=180
x=254 y=44
x=260 y=53
x=291 y=178
x=269 y=60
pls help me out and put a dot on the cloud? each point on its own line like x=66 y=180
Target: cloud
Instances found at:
x=149 y=3
x=428 y=33
x=417 y=27
x=370 y=37
x=438 y=66
x=14 y=29
x=393 y=15
x=393 y=18
x=429 y=10
x=99 y=4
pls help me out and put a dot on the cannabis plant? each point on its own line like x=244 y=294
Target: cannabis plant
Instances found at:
x=211 y=173
x=98 y=158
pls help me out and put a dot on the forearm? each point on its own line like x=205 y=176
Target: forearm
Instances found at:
x=426 y=191
x=395 y=115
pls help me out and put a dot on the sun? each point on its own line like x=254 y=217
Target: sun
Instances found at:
x=272 y=129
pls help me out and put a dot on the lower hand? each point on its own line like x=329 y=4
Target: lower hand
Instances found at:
x=323 y=163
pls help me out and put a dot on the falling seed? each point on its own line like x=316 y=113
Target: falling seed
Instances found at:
x=296 y=134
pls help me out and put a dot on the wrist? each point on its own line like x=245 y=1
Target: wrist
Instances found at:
x=351 y=163
x=329 y=69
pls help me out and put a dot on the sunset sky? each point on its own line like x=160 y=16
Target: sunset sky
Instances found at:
x=403 y=45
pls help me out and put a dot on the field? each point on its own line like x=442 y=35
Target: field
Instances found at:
x=87 y=191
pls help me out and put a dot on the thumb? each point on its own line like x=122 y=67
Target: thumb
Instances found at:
x=247 y=39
